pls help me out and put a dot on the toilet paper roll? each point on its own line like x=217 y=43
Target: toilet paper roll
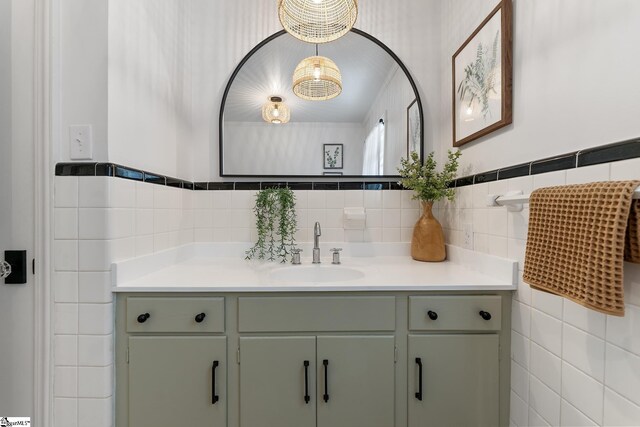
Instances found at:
x=354 y=218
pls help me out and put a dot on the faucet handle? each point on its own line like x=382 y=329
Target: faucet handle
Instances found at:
x=336 y=255
x=295 y=256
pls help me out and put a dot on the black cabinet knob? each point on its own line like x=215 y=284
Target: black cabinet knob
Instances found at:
x=200 y=317
x=143 y=317
x=485 y=315
x=432 y=315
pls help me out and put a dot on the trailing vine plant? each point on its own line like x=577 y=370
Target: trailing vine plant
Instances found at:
x=276 y=222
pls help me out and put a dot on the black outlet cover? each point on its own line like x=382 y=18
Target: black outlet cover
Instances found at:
x=18 y=261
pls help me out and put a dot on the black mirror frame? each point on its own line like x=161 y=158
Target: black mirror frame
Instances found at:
x=333 y=178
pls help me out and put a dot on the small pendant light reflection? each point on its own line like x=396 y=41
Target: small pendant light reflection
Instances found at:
x=275 y=111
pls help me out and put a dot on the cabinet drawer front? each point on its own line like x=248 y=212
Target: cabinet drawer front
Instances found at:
x=175 y=314
x=455 y=313
x=311 y=314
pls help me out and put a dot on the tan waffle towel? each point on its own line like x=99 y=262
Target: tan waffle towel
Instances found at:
x=632 y=241
x=576 y=242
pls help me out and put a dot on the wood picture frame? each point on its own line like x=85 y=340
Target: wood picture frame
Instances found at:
x=332 y=156
x=482 y=80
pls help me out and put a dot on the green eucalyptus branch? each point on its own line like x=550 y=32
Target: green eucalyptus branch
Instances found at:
x=276 y=223
x=423 y=179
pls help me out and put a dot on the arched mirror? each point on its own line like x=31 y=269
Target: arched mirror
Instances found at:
x=365 y=131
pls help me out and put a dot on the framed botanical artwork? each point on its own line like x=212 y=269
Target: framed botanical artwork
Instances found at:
x=332 y=156
x=413 y=128
x=482 y=78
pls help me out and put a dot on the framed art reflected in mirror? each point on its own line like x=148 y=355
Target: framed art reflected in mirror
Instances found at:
x=332 y=156
x=413 y=128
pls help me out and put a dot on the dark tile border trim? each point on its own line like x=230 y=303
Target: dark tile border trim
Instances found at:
x=624 y=150
x=558 y=163
x=609 y=153
x=119 y=171
x=592 y=156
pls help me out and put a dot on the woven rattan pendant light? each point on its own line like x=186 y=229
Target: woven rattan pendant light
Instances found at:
x=274 y=111
x=317 y=78
x=317 y=21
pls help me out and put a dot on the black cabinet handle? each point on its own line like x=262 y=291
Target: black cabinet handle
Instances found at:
x=307 y=398
x=200 y=317
x=419 y=393
x=214 y=396
x=325 y=362
x=485 y=315
x=143 y=317
x=432 y=315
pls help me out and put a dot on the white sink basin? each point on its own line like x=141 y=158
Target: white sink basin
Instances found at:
x=315 y=273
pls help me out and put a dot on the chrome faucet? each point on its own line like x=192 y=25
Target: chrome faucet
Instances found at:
x=316 y=238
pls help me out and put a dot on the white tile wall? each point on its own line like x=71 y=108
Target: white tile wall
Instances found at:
x=619 y=411
x=519 y=410
x=570 y=416
x=545 y=366
x=95 y=412
x=65 y=411
x=544 y=401
x=100 y=220
x=583 y=392
x=570 y=366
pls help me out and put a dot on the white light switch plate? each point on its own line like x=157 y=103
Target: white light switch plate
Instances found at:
x=80 y=142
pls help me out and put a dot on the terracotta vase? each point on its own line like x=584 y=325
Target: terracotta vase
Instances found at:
x=427 y=242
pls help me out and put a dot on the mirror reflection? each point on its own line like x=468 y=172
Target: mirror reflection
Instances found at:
x=266 y=130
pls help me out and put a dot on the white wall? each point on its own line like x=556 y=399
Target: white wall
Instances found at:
x=292 y=149
x=574 y=80
x=150 y=85
x=575 y=86
x=80 y=73
x=392 y=103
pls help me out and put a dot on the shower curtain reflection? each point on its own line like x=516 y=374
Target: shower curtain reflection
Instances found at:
x=373 y=156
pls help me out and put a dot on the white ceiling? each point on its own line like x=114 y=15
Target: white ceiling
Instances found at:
x=364 y=65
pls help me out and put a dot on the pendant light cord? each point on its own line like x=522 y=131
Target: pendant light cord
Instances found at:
x=316 y=49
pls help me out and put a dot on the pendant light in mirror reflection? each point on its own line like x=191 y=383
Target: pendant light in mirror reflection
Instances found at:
x=317 y=78
x=275 y=111
x=317 y=21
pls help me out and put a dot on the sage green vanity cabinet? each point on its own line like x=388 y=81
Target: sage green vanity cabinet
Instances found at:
x=358 y=389
x=453 y=380
x=320 y=379
x=340 y=381
x=277 y=381
x=453 y=358
x=271 y=348
x=177 y=378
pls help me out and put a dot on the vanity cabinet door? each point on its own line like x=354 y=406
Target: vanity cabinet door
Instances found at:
x=460 y=380
x=356 y=381
x=177 y=381
x=277 y=381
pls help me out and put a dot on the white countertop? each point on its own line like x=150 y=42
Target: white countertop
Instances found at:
x=213 y=267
